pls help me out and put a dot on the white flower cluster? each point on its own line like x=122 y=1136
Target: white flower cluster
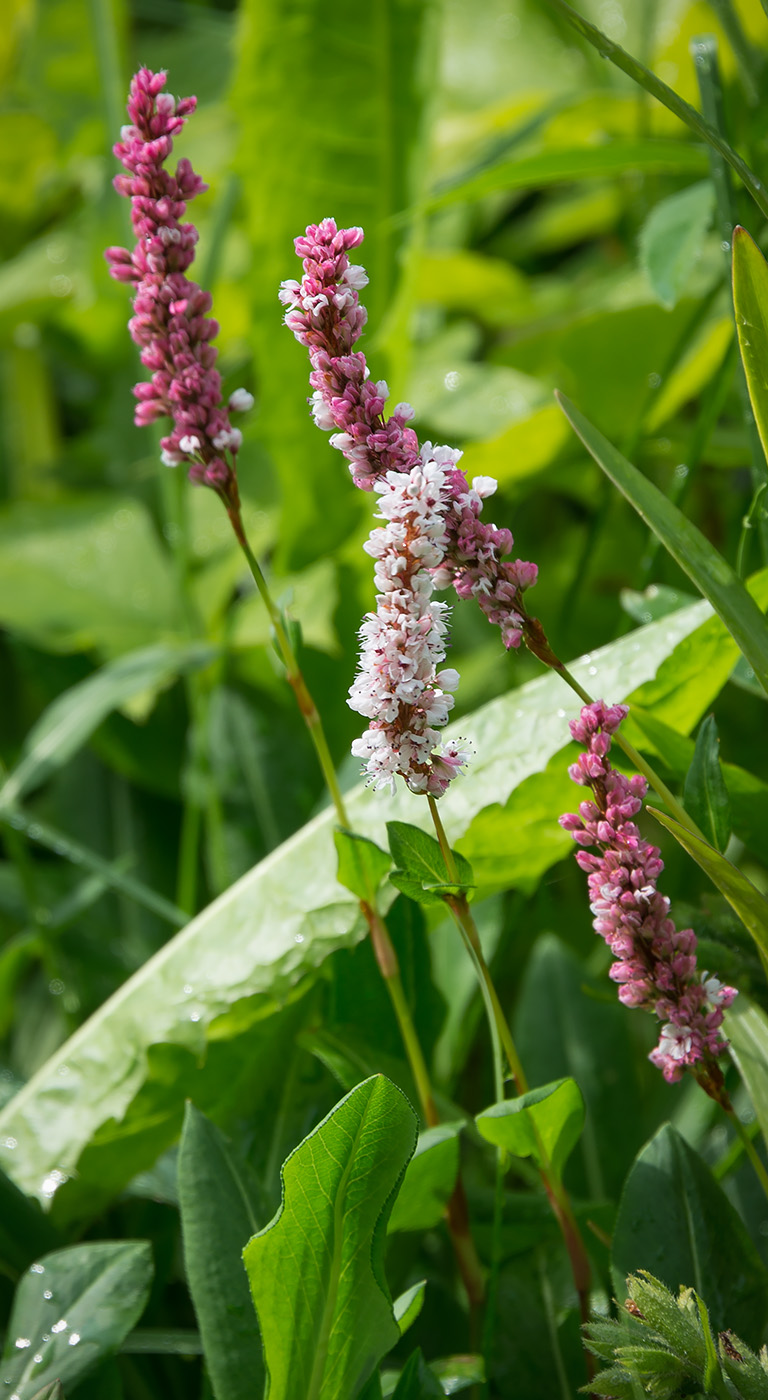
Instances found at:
x=398 y=687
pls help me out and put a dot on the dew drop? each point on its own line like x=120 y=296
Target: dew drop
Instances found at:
x=561 y=714
x=22 y=1343
x=8 y=1142
x=60 y=1326
x=48 y=1294
x=194 y=1015
x=74 y=1339
x=187 y=989
x=592 y=671
x=37 y=1269
x=37 y=1358
x=725 y=245
x=298 y=938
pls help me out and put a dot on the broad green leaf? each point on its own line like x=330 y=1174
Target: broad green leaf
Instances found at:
x=671 y=239
x=429 y=1179
x=362 y=864
x=70 y=720
x=55 y=589
x=705 y=796
x=95 y=1295
x=316 y=1271
x=218 y=1217
x=421 y=871
x=408 y=1306
x=417 y=1381
x=746 y=1026
x=615 y=157
x=25 y=1233
x=750 y=905
x=750 y=301
x=696 y=556
x=260 y=944
x=676 y=1222
x=544 y=1124
x=294 y=96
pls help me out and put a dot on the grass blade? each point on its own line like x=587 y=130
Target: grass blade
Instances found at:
x=666 y=95
x=713 y=576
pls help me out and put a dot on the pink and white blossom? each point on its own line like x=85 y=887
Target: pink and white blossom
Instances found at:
x=655 y=965
x=399 y=688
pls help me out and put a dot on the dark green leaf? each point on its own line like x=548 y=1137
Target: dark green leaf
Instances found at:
x=362 y=864
x=705 y=795
x=544 y=1124
x=95 y=1295
x=157 y=1341
x=750 y=905
x=671 y=239
x=68 y=723
x=218 y=1217
x=25 y=1233
x=457 y=1373
x=688 y=547
x=416 y=1380
x=429 y=1179
x=675 y=1221
x=316 y=1271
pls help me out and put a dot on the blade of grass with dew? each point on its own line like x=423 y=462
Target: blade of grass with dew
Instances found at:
x=712 y=574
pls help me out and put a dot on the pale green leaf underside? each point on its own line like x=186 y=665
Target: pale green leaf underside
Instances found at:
x=325 y=1314
x=270 y=930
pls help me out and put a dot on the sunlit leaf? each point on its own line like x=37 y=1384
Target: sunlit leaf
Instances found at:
x=750 y=299
x=705 y=795
x=544 y=1124
x=316 y=1271
x=671 y=237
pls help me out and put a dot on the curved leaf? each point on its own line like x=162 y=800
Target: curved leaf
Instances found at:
x=549 y=1118
x=266 y=936
x=316 y=1271
x=712 y=575
x=429 y=1179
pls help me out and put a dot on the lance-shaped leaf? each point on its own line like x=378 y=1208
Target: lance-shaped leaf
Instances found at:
x=316 y=1271
x=218 y=1217
x=712 y=574
x=362 y=864
x=417 y=1381
x=750 y=905
x=408 y=1306
x=750 y=302
x=671 y=239
x=421 y=870
x=705 y=795
x=676 y=1221
x=73 y=1308
x=544 y=1124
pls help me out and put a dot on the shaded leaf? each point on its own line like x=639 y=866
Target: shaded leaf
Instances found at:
x=675 y=1221
x=417 y=1381
x=429 y=1179
x=746 y=1026
x=218 y=1217
x=25 y=1233
x=705 y=795
x=316 y=1271
x=750 y=301
x=421 y=871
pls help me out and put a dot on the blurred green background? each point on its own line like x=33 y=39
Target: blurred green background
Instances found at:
x=505 y=177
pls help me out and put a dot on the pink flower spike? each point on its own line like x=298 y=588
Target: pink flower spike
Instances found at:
x=655 y=962
x=170 y=321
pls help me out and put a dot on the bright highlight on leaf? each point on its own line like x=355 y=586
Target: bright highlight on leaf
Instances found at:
x=544 y=1124
x=316 y=1272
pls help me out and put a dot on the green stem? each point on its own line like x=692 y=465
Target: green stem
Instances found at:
x=667 y=96
x=556 y=1192
x=750 y=1149
x=295 y=678
x=747 y=62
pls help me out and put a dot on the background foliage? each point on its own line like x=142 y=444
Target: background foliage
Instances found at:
x=533 y=221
